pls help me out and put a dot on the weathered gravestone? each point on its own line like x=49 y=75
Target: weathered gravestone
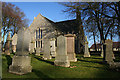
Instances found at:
x=32 y=45
x=86 y=53
x=52 y=47
x=7 y=47
x=71 y=47
x=37 y=51
x=14 y=42
x=102 y=52
x=61 y=58
x=46 y=54
x=108 y=51
x=21 y=61
x=38 y=48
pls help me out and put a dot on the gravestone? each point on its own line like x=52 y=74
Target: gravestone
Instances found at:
x=14 y=42
x=46 y=54
x=114 y=65
x=21 y=61
x=102 y=52
x=52 y=47
x=71 y=47
x=37 y=51
x=7 y=47
x=108 y=51
x=86 y=53
x=32 y=45
x=61 y=58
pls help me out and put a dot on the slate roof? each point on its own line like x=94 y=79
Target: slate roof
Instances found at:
x=66 y=26
x=63 y=26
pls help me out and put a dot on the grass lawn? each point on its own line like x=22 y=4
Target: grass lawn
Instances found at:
x=92 y=67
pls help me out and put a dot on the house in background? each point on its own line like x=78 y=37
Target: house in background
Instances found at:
x=116 y=47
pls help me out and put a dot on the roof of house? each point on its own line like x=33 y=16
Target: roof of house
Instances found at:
x=115 y=45
x=97 y=46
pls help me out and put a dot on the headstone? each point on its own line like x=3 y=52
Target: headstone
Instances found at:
x=14 y=42
x=108 y=51
x=7 y=47
x=86 y=53
x=61 y=58
x=114 y=65
x=46 y=54
x=21 y=61
x=32 y=45
x=52 y=47
x=37 y=51
x=102 y=52
x=71 y=47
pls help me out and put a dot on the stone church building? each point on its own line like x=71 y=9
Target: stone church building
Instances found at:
x=43 y=28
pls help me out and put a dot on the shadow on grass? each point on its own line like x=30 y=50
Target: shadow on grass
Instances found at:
x=41 y=75
x=97 y=58
x=107 y=68
x=100 y=62
x=50 y=62
x=9 y=60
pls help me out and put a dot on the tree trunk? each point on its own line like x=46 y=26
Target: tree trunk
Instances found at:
x=94 y=41
x=80 y=32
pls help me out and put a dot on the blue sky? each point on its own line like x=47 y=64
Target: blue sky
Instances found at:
x=51 y=10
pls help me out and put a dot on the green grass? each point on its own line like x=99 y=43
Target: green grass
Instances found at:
x=92 y=67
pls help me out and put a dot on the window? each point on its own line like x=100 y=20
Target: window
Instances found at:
x=39 y=36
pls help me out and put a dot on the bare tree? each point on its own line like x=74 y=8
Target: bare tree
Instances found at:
x=99 y=12
x=75 y=9
x=12 y=19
